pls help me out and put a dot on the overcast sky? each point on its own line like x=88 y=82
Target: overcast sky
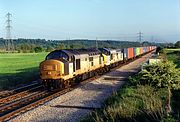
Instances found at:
x=103 y=19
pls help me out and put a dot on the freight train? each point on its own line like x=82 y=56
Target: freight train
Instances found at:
x=61 y=68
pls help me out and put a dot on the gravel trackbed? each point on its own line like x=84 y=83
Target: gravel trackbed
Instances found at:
x=76 y=104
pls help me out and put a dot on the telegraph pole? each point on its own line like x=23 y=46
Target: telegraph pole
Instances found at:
x=9 y=42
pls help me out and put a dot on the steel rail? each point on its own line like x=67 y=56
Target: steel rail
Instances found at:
x=17 y=96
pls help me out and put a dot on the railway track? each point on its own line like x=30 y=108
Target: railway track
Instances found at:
x=21 y=102
x=26 y=100
x=14 y=108
x=20 y=95
x=17 y=90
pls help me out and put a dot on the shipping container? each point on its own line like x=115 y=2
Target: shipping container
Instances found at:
x=137 y=51
x=130 y=53
x=125 y=51
x=150 y=48
x=141 y=50
x=134 y=51
x=144 y=49
x=147 y=49
x=153 y=47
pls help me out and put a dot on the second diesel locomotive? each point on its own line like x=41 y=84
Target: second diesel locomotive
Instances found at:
x=61 y=68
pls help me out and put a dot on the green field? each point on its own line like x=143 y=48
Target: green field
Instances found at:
x=177 y=49
x=18 y=68
x=174 y=55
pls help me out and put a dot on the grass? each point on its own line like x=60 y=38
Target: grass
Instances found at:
x=141 y=103
x=174 y=55
x=177 y=49
x=18 y=68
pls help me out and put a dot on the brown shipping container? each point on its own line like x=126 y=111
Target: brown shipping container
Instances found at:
x=141 y=50
x=130 y=53
x=148 y=49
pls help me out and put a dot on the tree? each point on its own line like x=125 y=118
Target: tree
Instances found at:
x=163 y=74
x=49 y=49
x=177 y=44
x=158 y=49
x=60 y=46
x=38 y=49
x=76 y=46
x=25 y=47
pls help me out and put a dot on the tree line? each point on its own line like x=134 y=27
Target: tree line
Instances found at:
x=40 y=45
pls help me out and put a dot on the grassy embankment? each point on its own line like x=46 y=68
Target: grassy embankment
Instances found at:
x=19 y=68
x=139 y=102
x=174 y=55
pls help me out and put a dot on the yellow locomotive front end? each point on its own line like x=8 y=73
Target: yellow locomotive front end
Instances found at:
x=56 y=69
x=51 y=73
x=51 y=69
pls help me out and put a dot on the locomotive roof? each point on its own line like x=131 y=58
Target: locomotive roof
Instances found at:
x=68 y=54
x=81 y=51
x=107 y=49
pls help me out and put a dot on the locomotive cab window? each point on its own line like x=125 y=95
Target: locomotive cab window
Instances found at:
x=77 y=64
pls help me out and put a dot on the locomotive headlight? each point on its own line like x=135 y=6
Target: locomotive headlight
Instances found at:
x=58 y=73
x=49 y=73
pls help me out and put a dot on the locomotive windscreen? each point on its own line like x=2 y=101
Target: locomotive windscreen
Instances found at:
x=57 y=55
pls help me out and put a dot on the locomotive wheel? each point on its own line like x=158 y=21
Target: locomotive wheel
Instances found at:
x=66 y=84
x=57 y=84
x=96 y=73
x=78 y=79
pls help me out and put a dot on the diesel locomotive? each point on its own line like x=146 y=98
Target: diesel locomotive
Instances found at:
x=61 y=68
